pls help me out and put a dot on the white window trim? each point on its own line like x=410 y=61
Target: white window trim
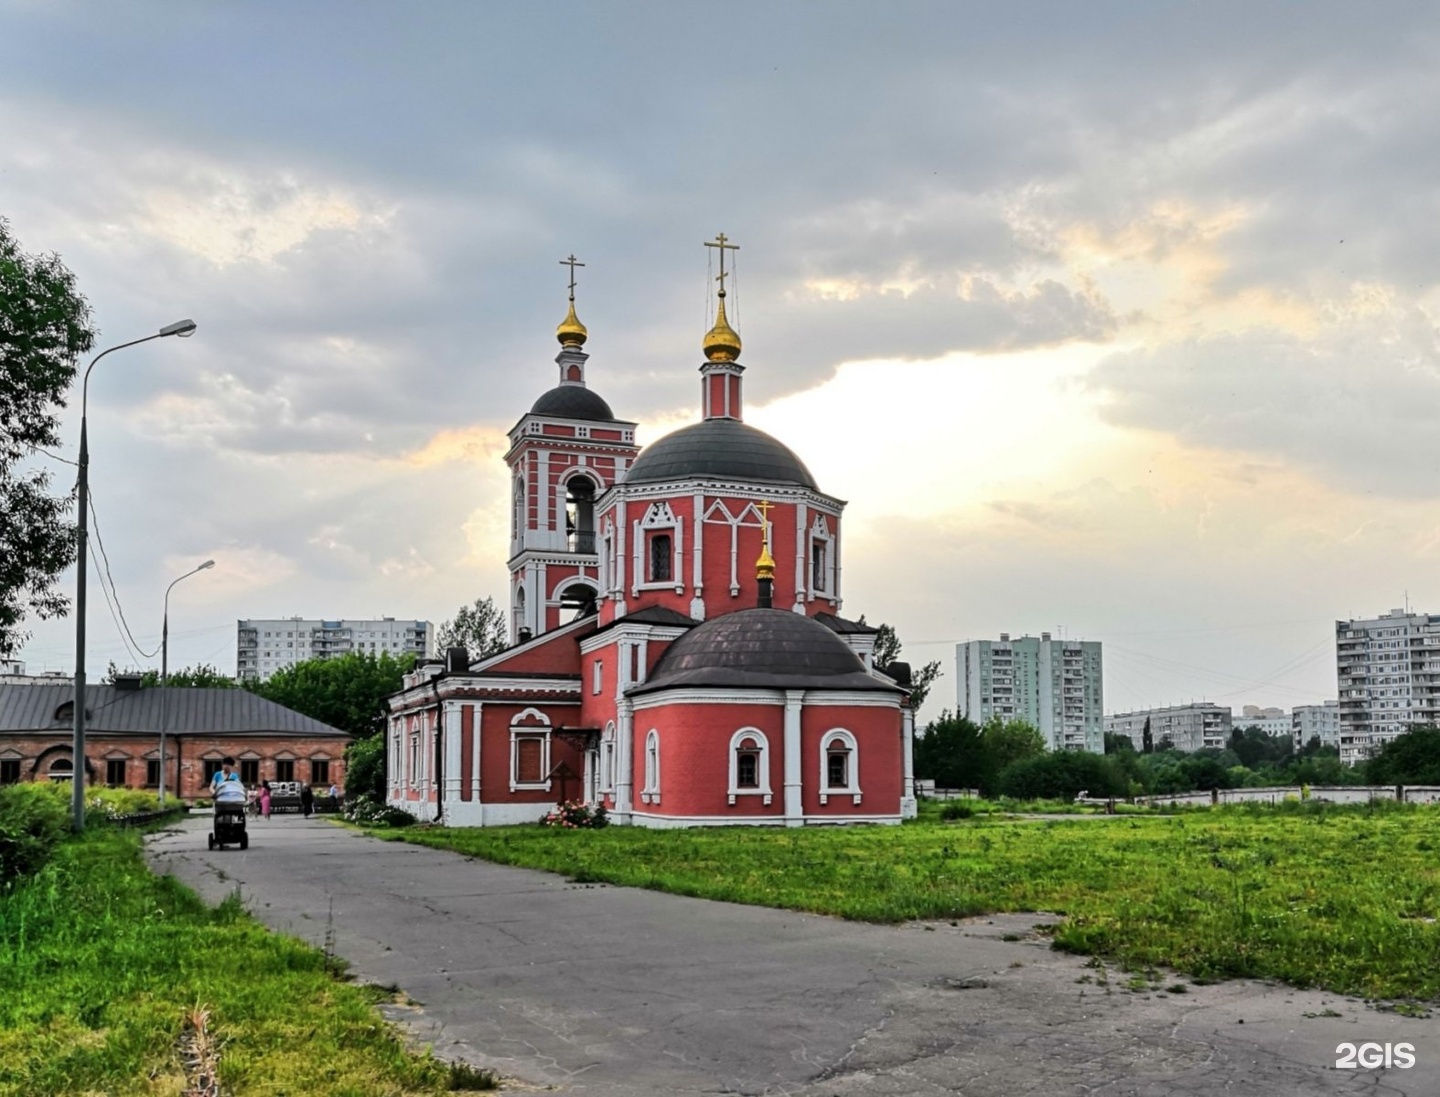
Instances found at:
x=518 y=731
x=764 y=766
x=852 y=771
x=659 y=519
x=597 y=676
x=820 y=535
x=607 y=759
x=650 y=794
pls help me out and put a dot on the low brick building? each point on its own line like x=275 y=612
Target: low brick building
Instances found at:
x=122 y=738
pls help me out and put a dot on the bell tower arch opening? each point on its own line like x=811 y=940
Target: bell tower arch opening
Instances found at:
x=580 y=493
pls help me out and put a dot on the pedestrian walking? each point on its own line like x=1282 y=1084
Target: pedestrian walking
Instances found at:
x=265 y=799
x=307 y=800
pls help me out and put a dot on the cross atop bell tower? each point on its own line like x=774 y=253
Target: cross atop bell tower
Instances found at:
x=572 y=335
x=720 y=375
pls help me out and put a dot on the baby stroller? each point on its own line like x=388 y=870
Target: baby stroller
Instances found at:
x=228 y=828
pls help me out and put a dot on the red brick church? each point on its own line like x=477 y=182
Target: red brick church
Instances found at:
x=678 y=653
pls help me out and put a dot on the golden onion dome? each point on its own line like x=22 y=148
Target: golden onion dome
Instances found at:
x=722 y=343
x=571 y=331
x=765 y=566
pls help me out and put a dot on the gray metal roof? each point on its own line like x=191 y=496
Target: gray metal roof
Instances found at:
x=217 y=711
x=573 y=402
x=765 y=649
x=724 y=449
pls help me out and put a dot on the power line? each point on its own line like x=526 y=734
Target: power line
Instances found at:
x=111 y=607
x=95 y=519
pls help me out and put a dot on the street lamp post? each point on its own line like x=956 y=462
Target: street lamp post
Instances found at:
x=182 y=328
x=165 y=677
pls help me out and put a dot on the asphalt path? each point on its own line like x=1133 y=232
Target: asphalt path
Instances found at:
x=615 y=992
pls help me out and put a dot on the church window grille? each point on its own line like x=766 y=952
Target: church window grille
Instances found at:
x=650 y=794
x=660 y=558
x=750 y=765
x=528 y=759
x=839 y=766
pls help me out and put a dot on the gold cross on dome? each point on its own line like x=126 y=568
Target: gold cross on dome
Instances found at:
x=572 y=263
x=720 y=242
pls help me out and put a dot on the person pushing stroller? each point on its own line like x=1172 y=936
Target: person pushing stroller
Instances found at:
x=228 y=794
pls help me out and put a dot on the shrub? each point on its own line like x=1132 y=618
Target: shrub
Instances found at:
x=370 y=812
x=116 y=803
x=954 y=810
x=574 y=814
x=34 y=818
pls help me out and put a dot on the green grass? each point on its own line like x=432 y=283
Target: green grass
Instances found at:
x=100 y=962
x=1342 y=898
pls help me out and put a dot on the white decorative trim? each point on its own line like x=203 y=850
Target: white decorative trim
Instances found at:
x=762 y=768
x=667 y=822
x=852 y=768
x=700 y=696
x=650 y=792
x=520 y=731
x=853 y=699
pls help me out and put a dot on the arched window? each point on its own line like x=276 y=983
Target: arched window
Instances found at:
x=750 y=765
x=530 y=751
x=607 y=758
x=658 y=546
x=61 y=770
x=517 y=519
x=839 y=766
x=580 y=514
x=578 y=600
x=650 y=794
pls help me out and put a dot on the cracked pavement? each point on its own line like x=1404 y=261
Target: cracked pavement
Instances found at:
x=603 y=991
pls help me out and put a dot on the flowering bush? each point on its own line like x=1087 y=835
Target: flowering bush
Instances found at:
x=574 y=814
x=116 y=803
x=368 y=811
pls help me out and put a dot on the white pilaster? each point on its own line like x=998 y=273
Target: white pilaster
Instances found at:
x=794 y=805
x=477 y=711
x=453 y=776
x=909 y=807
x=624 y=765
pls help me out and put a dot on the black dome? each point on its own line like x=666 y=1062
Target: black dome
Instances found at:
x=763 y=648
x=722 y=448
x=573 y=402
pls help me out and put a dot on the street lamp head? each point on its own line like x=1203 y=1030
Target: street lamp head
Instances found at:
x=206 y=564
x=182 y=328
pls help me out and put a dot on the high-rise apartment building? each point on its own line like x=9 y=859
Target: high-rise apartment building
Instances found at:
x=1055 y=685
x=1316 y=722
x=1272 y=721
x=263 y=647
x=1185 y=727
x=1388 y=672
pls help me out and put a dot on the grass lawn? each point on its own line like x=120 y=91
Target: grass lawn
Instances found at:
x=101 y=961
x=1315 y=895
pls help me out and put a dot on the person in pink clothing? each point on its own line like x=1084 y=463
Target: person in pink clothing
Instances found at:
x=265 y=799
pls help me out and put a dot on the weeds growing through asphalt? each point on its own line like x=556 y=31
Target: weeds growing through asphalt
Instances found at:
x=1312 y=894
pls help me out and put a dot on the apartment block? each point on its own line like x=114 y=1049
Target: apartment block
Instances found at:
x=263 y=647
x=1388 y=672
x=1272 y=721
x=1185 y=727
x=1055 y=685
x=1316 y=721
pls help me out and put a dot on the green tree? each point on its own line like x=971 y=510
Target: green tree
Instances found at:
x=1063 y=775
x=1409 y=759
x=349 y=692
x=887 y=651
x=1115 y=743
x=44 y=329
x=365 y=768
x=480 y=629
x=1010 y=741
x=950 y=752
x=201 y=676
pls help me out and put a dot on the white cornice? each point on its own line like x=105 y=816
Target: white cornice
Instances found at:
x=699 y=696
x=634 y=631
x=741 y=489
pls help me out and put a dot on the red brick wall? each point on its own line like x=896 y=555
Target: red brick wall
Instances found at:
x=695 y=757
x=881 y=764
x=187 y=750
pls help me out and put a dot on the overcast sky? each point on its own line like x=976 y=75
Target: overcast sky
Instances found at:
x=1111 y=319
